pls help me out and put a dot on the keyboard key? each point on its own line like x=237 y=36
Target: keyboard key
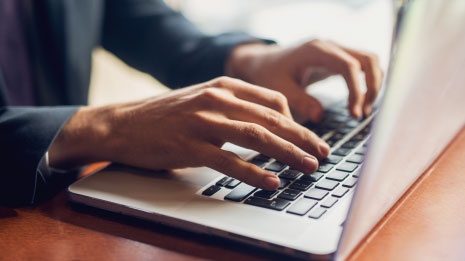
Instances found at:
x=334 y=125
x=261 y=157
x=340 y=192
x=224 y=181
x=333 y=159
x=329 y=202
x=342 y=152
x=283 y=183
x=337 y=136
x=365 y=130
x=352 y=123
x=326 y=184
x=345 y=130
x=257 y=163
x=275 y=166
x=358 y=137
x=356 y=174
x=291 y=174
x=340 y=118
x=301 y=185
x=310 y=125
x=265 y=193
x=211 y=190
x=356 y=158
x=330 y=142
x=350 y=182
x=361 y=151
x=350 y=144
x=321 y=131
x=355 y=139
x=315 y=193
x=314 y=177
x=347 y=166
x=302 y=206
x=316 y=213
x=233 y=183
x=325 y=167
x=337 y=175
x=290 y=194
x=275 y=204
x=240 y=192
x=339 y=110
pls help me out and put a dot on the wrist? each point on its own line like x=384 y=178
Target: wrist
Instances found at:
x=83 y=139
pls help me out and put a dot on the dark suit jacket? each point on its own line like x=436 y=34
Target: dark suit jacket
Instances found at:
x=146 y=34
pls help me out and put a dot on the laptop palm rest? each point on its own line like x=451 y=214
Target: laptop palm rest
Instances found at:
x=170 y=198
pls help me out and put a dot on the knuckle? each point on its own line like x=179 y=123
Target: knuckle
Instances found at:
x=222 y=162
x=280 y=98
x=353 y=65
x=222 y=81
x=311 y=136
x=316 y=42
x=248 y=170
x=210 y=96
x=290 y=151
x=372 y=58
x=280 y=101
x=253 y=133
x=274 y=119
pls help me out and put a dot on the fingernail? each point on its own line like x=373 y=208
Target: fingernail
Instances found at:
x=323 y=147
x=271 y=182
x=310 y=164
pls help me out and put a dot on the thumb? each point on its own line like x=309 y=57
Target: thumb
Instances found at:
x=304 y=104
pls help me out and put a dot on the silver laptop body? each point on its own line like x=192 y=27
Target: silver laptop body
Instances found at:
x=422 y=110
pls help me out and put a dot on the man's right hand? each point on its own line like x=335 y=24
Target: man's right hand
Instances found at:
x=187 y=127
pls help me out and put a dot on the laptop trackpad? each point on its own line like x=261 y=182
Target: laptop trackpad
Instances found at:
x=160 y=191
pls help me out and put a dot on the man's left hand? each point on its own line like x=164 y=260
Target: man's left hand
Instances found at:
x=289 y=70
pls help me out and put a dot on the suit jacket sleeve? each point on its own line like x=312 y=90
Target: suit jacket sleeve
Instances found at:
x=153 y=38
x=25 y=135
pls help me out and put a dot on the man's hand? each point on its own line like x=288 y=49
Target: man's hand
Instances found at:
x=289 y=70
x=187 y=127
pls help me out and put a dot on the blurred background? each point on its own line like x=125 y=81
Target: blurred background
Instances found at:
x=360 y=24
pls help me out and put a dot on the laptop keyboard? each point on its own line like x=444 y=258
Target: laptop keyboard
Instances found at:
x=310 y=195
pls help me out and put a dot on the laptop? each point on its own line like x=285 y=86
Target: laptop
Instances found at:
x=372 y=161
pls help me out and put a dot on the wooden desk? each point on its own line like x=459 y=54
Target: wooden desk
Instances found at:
x=427 y=224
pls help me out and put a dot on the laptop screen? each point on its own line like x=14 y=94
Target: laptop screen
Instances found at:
x=422 y=111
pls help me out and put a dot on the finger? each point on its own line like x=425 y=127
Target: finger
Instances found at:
x=230 y=164
x=373 y=77
x=253 y=93
x=258 y=138
x=338 y=61
x=278 y=124
x=302 y=102
x=350 y=69
x=315 y=74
